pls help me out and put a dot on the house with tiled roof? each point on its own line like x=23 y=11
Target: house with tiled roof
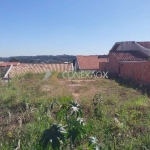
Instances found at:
x=126 y=52
x=6 y=64
x=89 y=63
x=22 y=68
x=40 y=68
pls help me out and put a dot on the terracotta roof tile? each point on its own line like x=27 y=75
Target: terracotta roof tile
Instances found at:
x=129 y=56
x=5 y=64
x=144 y=44
x=90 y=62
x=39 y=68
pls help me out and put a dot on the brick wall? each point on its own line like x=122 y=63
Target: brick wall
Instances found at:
x=113 y=66
x=137 y=71
x=103 y=66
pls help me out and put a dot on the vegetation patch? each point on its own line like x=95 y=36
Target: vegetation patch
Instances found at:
x=48 y=114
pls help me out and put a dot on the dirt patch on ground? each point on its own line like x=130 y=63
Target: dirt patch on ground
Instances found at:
x=75 y=85
x=76 y=96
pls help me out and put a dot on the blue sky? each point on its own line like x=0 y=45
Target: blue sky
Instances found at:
x=85 y=27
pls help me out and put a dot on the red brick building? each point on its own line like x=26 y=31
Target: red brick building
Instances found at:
x=129 y=60
x=89 y=63
x=127 y=52
x=117 y=58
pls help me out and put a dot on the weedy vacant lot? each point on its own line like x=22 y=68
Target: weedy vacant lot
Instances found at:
x=117 y=117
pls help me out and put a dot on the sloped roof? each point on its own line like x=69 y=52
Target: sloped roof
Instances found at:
x=145 y=44
x=39 y=68
x=90 y=62
x=5 y=64
x=129 y=56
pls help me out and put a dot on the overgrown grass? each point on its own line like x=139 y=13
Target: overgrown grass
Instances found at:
x=120 y=122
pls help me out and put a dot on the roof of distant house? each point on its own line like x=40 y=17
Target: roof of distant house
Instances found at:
x=5 y=64
x=39 y=68
x=129 y=56
x=90 y=62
